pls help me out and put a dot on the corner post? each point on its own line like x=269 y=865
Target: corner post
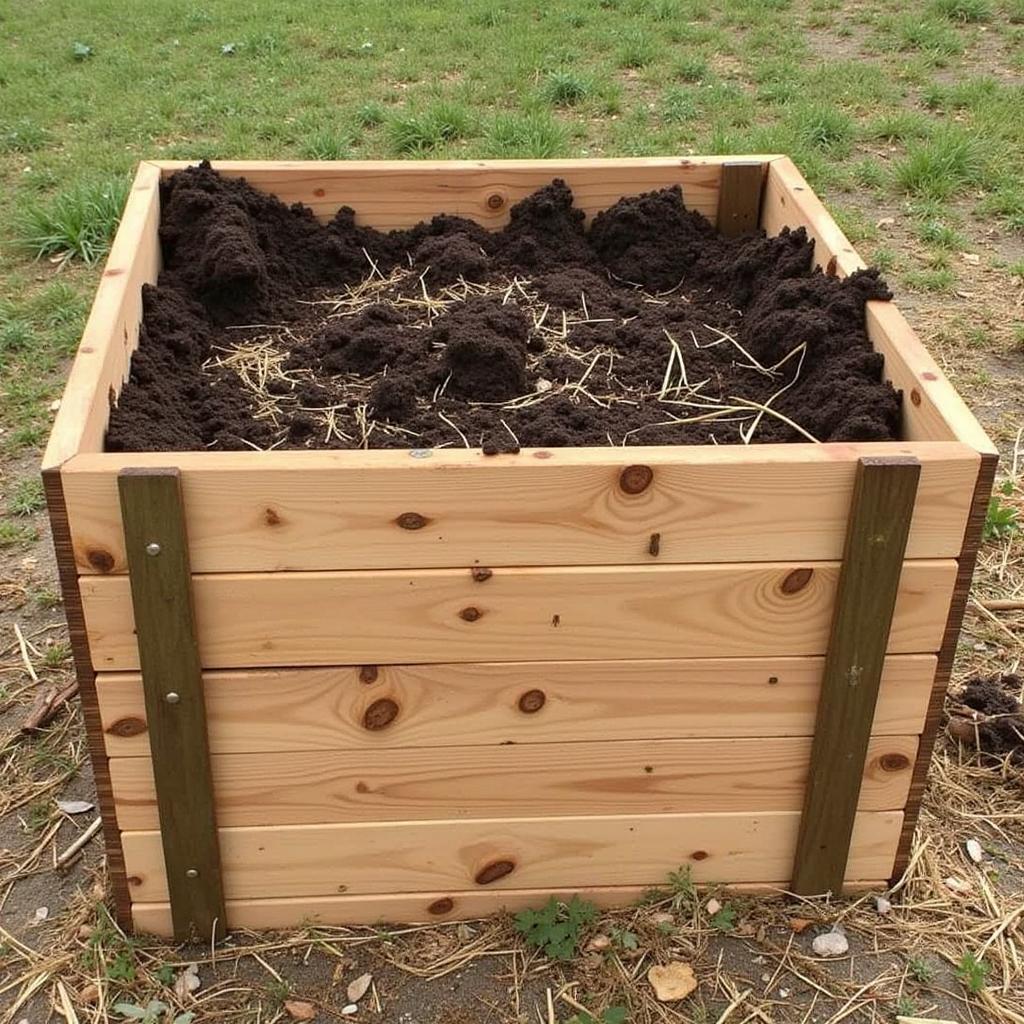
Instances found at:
x=739 y=196
x=161 y=585
x=884 y=491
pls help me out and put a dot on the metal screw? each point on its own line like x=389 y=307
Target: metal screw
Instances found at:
x=172 y=697
x=191 y=873
x=153 y=548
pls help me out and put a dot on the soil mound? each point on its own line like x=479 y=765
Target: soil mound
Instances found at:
x=993 y=720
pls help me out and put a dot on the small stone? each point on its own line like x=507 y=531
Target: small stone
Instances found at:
x=970 y=257
x=298 y=1010
x=187 y=981
x=672 y=981
x=599 y=943
x=347 y=1011
x=957 y=885
x=974 y=850
x=41 y=914
x=662 y=917
x=86 y=931
x=783 y=993
x=882 y=905
x=712 y=907
x=884 y=222
x=799 y=924
x=55 y=405
x=75 y=806
x=89 y=994
x=358 y=988
x=833 y=943
x=766 y=977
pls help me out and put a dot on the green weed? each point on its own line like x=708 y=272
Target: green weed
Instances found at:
x=1001 y=519
x=963 y=10
x=371 y=115
x=16 y=534
x=427 y=129
x=564 y=88
x=899 y=126
x=921 y=970
x=678 y=104
x=556 y=929
x=934 y=232
x=535 y=134
x=22 y=136
x=612 y=1015
x=154 y=1012
x=77 y=223
x=636 y=51
x=26 y=497
x=939 y=279
x=691 y=68
x=824 y=127
x=939 y=167
x=326 y=145
x=911 y=32
x=972 y=972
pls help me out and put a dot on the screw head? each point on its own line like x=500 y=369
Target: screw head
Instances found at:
x=153 y=548
x=172 y=697
x=192 y=873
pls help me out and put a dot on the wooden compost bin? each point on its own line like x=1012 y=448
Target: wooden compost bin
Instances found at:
x=425 y=685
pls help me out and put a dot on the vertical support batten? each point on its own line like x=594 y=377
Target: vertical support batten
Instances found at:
x=161 y=585
x=876 y=538
x=739 y=197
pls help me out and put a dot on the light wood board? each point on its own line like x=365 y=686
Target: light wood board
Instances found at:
x=391 y=194
x=518 y=780
x=426 y=908
x=253 y=619
x=270 y=511
x=267 y=710
x=394 y=857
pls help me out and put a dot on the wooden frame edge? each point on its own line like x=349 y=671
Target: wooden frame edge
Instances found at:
x=947 y=655
x=88 y=698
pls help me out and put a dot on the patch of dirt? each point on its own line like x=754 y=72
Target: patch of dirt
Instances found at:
x=268 y=329
x=990 y=716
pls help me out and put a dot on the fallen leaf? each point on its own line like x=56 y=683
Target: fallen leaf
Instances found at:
x=358 y=988
x=298 y=1010
x=833 y=943
x=672 y=981
x=599 y=942
x=75 y=806
x=882 y=905
x=974 y=850
x=884 y=222
x=89 y=994
x=799 y=924
x=970 y=257
x=662 y=917
x=955 y=884
x=187 y=981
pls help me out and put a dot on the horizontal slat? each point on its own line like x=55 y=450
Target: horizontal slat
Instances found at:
x=516 y=780
x=265 y=710
x=320 y=860
x=439 y=615
x=399 y=194
x=271 y=511
x=428 y=907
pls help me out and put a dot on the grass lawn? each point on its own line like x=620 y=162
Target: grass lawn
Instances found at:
x=907 y=118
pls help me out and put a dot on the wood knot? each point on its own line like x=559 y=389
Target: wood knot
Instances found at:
x=636 y=479
x=100 y=560
x=699 y=855
x=796 y=581
x=411 y=521
x=134 y=880
x=271 y=518
x=380 y=714
x=470 y=614
x=127 y=727
x=319 y=192
x=362 y=787
x=915 y=396
x=368 y=674
x=495 y=201
x=894 y=762
x=480 y=574
x=928 y=375
x=654 y=545
x=532 y=701
x=832 y=267
x=493 y=871
x=442 y=906
x=773 y=680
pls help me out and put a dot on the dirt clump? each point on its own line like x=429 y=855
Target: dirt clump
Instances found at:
x=990 y=717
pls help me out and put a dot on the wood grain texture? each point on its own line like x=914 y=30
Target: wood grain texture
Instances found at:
x=438 y=615
x=117 y=879
x=271 y=511
x=947 y=655
x=427 y=907
x=154 y=527
x=932 y=409
x=112 y=330
x=518 y=780
x=739 y=197
x=400 y=193
x=283 y=710
x=883 y=502
x=395 y=857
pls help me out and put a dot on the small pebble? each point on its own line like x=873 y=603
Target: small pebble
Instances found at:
x=347 y=1011
x=662 y=917
x=833 y=943
x=957 y=884
x=712 y=907
x=974 y=850
x=882 y=905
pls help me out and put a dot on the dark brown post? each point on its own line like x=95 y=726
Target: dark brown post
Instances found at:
x=739 y=197
x=876 y=539
x=161 y=583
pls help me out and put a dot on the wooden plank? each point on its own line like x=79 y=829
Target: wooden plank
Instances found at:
x=283 y=710
x=117 y=879
x=154 y=527
x=400 y=193
x=268 y=511
x=516 y=780
x=513 y=853
x=591 y=612
x=883 y=501
x=947 y=655
x=112 y=330
x=426 y=908
x=932 y=409
x=739 y=197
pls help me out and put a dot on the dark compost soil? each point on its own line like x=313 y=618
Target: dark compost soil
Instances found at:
x=269 y=329
x=995 y=719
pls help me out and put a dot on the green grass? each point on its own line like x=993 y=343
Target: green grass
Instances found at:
x=963 y=10
x=939 y=167
x=428 y=129
x=565 y=88
x=26 y=497
x=326 y=145
x=77 y=223
x=531 y=135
